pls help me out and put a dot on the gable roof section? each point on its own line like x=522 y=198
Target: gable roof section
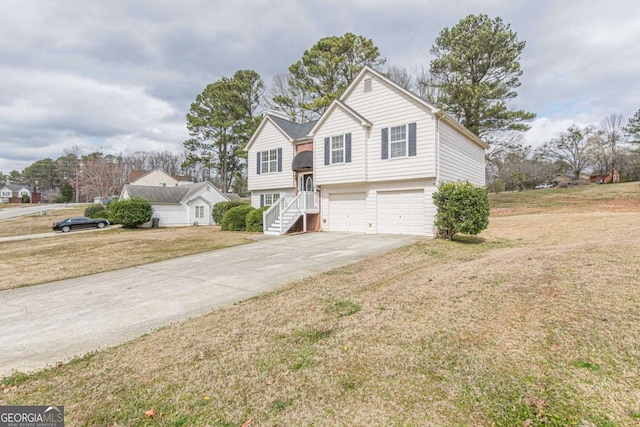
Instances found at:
x=17 y=187
x=294 y=130
x=137 y=174
x=344 y=107
x=291 y=130
x=439 y=113
x=168 y=195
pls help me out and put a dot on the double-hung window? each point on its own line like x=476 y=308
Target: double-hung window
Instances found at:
x=269 y=161
x=398 y=141
x=199 y=212
x=270 y=198
x=337 y=149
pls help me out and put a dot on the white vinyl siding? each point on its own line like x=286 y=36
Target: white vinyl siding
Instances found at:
x=156 y=178
x=339 y=124
x=270 y=138
x=172 y=215
x=460 y=160
x=385 y=107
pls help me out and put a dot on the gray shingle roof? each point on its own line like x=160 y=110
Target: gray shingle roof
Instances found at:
x=165 y=195
x=294 y=130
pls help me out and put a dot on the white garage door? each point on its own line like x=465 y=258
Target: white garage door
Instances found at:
x=401 y=212
x=347 y=212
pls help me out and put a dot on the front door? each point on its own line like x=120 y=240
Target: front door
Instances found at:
x=305 y=182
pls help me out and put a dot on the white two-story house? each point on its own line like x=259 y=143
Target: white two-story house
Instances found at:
x=370 y=164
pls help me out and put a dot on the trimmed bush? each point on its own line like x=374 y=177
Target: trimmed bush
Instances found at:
x=131 y=212
x=462 y=208
x=96 y=210
x=235 y=219
x=254 y=219
x=220 y=208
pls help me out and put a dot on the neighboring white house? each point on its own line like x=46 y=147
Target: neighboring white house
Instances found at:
x=7 y=191
x=157 y=178
x=370 y=164
x=189 y=204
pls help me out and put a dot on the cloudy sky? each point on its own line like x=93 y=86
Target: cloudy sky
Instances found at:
x=119 y=76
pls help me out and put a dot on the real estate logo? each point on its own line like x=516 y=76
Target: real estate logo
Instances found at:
x=31 y=416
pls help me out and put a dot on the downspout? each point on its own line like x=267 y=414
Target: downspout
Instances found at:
x=367 y=134
x=437 y=165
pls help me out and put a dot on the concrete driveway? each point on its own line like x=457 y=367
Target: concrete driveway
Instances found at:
x=45 y=324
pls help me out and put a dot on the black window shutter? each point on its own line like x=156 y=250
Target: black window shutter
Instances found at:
x=327 y=148
x=412 y=139
x=279 y=159
x=347 y=148
x=385 y=143
x=261 y=200
x=258 y=155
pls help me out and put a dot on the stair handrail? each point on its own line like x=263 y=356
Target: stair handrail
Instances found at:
x=276 y=207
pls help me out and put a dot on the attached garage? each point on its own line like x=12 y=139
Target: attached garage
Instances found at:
x=347 y=212
x=401 y=212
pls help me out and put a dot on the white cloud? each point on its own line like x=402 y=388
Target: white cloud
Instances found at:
x=120 y=75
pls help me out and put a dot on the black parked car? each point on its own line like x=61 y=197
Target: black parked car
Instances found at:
x=79 y=222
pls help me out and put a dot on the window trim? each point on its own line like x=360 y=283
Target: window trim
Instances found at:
x=274 y=198
x=405 y=141
x=199 y=212
x=266 y=161
x=333 y=150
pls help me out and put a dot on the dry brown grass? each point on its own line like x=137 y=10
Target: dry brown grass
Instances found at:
x=35 y=224
x=74 y=254
x=534 y=323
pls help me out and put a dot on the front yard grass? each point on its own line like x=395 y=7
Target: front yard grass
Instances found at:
x=30 y=262
x=36 y=223
x=532 y=323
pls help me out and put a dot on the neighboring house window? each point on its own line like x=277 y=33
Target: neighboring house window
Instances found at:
x=163 y=184
x=398 y=141
x=269 y=199
x=199 y=212
x=270 y=161
x=337 y=149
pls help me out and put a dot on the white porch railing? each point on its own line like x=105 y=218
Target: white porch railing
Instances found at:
x=283 y=214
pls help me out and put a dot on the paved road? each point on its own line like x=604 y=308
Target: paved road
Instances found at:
x=29 y=209
x=45 y=324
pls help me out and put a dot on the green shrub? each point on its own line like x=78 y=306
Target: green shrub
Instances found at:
x=131 y=212
x=235 y=219
x=462 y=208
x=96 y=210
x=26 y=198
x=219 y=209
x=254 y=219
